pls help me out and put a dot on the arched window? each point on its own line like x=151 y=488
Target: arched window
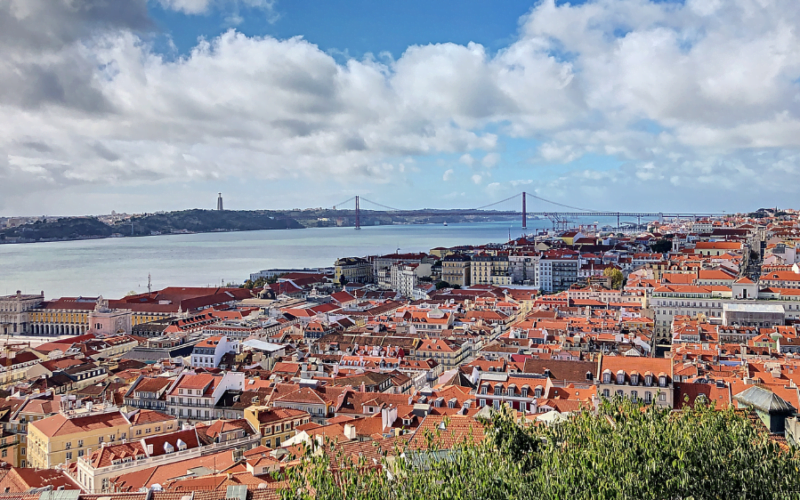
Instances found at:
x=537 y=393
x=620 y=377
x=662 y=380
x=606 y=377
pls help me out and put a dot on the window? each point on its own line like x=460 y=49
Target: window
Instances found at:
x=607 y=377
x=68 y=445
x=80 y=453
x=138 y=432
x=662 y=397
x=483 y=403
x=100 y=439
x=634 y=396
x=158 y=429
x=147 y=431
x=648 y=397
x=662 y=381
x=69 y=455
x=80 y=443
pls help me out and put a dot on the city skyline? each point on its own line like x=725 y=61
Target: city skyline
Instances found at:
x=625 y=105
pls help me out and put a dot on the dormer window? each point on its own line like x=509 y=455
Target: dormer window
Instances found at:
x=620 y=377
x=662 y=380
x=607 y=377
x=537 y=393
x=635 y=379
x=648 y=380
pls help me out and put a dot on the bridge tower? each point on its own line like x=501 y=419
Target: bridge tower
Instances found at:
x=524 y=213
x=358 y=215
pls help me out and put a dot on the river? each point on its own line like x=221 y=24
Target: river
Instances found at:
x=113 y=267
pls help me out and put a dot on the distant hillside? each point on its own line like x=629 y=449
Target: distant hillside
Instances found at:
x=202 y=221
x=67 y=228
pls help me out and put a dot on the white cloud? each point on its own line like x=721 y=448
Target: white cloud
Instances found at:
x=701 y=94
x=490 y=160
x=186 y=6
x=448 y=174
x=467 y=160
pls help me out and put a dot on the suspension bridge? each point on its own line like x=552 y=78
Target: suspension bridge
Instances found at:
x=558 y=217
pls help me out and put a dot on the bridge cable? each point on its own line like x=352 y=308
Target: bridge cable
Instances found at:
x=382 y=206
x=495 y=203
x=561 y=204
x=342 y=203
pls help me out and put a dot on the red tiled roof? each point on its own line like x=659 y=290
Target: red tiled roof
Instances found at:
x=60 y=425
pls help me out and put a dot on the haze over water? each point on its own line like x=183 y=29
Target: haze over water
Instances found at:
x=113 y=267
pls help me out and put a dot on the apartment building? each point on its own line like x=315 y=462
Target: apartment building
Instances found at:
x=636 y=378
x=447 y=353
x=64 y=437
x=490 y=270
x=557 y=271
x=15 y=310
x=456 y=270
x=149 y=393
x=275 y=425
x=193 y=396
x=208 y=352
x=353 y=270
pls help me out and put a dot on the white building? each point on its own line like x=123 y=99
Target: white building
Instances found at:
x=194 y=395
x=14 y=312
x=208 y=352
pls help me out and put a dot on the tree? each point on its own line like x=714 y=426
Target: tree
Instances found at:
x=622 y=451
x=442 y=284
x=617 y=278
x=661 y=246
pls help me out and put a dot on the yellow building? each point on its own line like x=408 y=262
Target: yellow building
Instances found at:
x=275 y=425
x=456 y=270
x=65 y=436
x=354 y=270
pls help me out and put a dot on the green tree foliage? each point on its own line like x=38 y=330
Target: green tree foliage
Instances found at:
x=206 y=220
x=442 y=284
x=624 y=451
x=260 y=282
x=617 y=278
x=661 y=246
x=66 y=228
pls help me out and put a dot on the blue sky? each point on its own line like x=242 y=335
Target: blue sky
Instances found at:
x=355 y=27
x=149 y=105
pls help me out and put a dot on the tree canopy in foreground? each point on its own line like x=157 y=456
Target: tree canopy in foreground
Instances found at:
x=623 y=451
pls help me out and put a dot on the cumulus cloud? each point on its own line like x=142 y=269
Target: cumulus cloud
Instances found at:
x=448 y=174
x=700 y=96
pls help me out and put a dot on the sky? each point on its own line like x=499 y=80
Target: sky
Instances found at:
x=148 y=105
